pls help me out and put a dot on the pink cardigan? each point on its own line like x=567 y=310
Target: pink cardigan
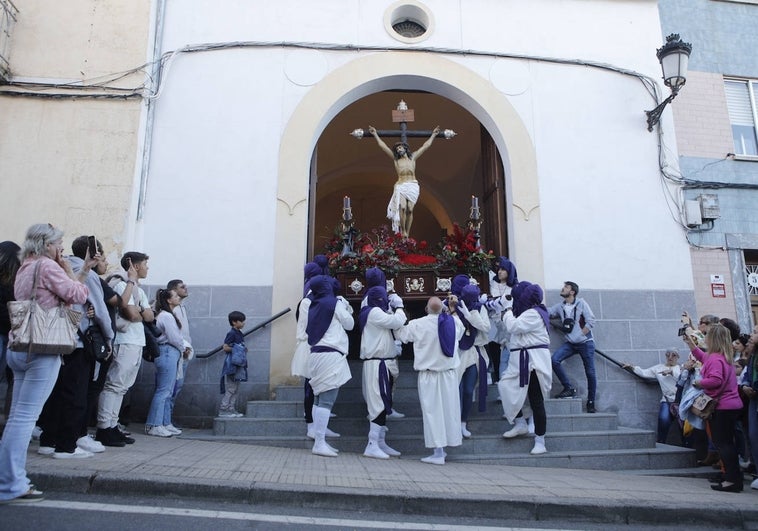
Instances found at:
x=715 y=369
x=53 y=284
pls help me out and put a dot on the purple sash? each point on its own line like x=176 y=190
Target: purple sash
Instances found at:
x=523 y=363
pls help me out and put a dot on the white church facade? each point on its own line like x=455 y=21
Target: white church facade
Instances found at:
x=242 y=154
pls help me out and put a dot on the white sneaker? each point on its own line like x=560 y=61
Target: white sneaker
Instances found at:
x=89 y=444
x=159 y=431
x=330 y=433
x=36 y=432
x=323 y=449
x=433 y=460
x=754 y=484
x=78 y=453
x=237 y=414
x=46 y=450
x=520 y=428
x=173 y=430
x=539 y=446
x=395 y=415
x=226 y=414
x=464 y=431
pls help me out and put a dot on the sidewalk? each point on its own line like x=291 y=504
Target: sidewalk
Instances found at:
x=351 y=482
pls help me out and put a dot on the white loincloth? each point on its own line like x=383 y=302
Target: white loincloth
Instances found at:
x=406 y=190
x=374 y=402
x=329 y=370
x=440 y=408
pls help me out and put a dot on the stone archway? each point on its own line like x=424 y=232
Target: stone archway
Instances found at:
x=367 y=75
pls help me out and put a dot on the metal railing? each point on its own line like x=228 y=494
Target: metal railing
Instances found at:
x=258 y=326
x=8 y=16
x=621 y=365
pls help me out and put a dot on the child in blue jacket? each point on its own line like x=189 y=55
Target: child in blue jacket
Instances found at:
x=235 y=365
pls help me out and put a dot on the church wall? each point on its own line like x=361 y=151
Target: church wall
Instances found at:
x=226 y=120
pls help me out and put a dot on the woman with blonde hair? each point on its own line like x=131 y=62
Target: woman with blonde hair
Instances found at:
x=34 y=374
x=719 y=381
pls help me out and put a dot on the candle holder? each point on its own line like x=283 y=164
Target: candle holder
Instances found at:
x=348 y=230
x=475 y=219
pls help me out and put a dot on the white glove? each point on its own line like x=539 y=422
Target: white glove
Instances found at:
x=494 y=305
x=395 y=301
x=462 y=308
x=347 y=305
x=506 y=301
x=482 y=298
x=398 y=348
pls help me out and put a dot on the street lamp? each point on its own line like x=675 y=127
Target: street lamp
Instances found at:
x=673 y=56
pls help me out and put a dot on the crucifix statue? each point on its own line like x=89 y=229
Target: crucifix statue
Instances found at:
x=406 y=191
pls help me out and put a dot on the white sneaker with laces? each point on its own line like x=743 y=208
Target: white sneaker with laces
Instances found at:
x=173 y=430
x=46 y=450
x=78 y=453
x=159 y=431
x=89 y=444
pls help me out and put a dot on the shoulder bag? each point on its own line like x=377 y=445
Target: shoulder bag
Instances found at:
x=40 y=331
x=704 y=405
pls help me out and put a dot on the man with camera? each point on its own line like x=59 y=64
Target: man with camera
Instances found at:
x=576 y=323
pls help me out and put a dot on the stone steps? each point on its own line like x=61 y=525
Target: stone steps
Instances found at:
x=575 y=439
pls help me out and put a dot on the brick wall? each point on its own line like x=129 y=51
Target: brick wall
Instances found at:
x=702 y=117
x=704 y=264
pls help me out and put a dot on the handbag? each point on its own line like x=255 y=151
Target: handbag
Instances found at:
x=95 y=344
x=40 y=331
x=704 y=406
x=152 y=349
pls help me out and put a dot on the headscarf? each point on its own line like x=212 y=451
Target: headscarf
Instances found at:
x=323 y=263
x=375 y=277
x=376 y=297
x=528 y=296
x=503 y=263
x=470 y=297
x=310 y=270
x=321 y=310
x=459 y=282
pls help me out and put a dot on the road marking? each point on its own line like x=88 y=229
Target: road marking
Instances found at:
x=259 y=517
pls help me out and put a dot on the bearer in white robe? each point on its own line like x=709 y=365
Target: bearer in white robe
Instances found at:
x=377 y=320
x=435 y=343
x=530 y=371
x=328 y=319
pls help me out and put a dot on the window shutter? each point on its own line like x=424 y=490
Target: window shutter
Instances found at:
x=738 y=101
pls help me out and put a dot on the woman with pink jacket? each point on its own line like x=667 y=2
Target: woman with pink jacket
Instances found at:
x=719 y=381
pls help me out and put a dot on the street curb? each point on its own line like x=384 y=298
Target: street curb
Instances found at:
x=455 y=505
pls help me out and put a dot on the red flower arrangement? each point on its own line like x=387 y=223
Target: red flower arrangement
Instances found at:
x=391 y=252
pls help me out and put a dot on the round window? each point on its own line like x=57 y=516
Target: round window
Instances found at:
x=408 y=21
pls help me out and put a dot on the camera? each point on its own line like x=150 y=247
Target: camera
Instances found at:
x=682 y=331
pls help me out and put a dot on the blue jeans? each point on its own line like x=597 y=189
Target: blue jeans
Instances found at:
x=587 y=351
x=178 y=386
x=165 y=377
x=664 y=422
x=466 y=388
x=34 y=376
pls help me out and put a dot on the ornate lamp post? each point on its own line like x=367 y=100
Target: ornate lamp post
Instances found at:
x=674 y=57
x=475 y=219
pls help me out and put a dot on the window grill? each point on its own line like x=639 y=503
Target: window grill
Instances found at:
x=8 y=14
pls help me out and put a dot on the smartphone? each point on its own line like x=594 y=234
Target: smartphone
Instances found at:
x=92 y=244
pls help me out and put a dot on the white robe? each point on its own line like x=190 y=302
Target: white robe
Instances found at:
x=377 y=345
x=481 y=322
x=406 y=190
x=437 y=381
x=329 y=370
x=526 y=330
